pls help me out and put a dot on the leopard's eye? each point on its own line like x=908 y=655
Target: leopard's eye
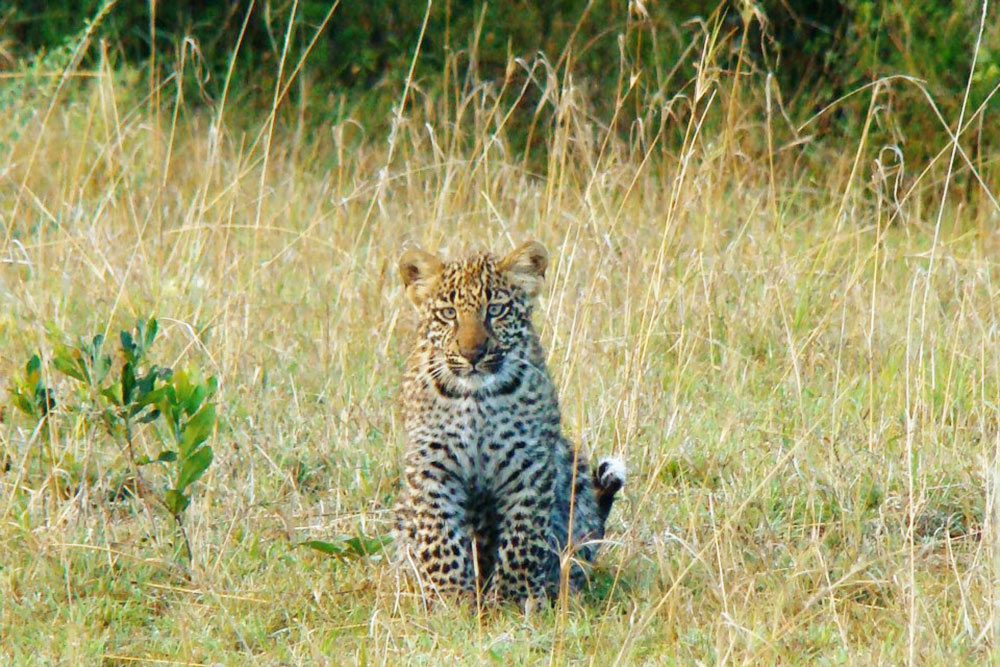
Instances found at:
x=447 y=313
x=496 y=309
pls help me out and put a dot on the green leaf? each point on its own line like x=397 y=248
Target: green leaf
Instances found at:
x=367 y=546
x=166 y=456
x=99 y=363
x=23 y=403
x=112 y=394
x=193 y=467
x=128 y=347
x=192 y=394
x=150 y=334
x=171 y=414
x=328 y=548
x=176 y=501
x=197 y=429
x=145 y=384
x=33 y=367
x=127 y=382
x=156 y=396
x=193 y=401
x=102 y=365
x=349 y=548
x=182 y=387
x=68 y=366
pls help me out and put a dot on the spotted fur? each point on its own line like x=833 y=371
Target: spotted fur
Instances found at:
x=493 y=493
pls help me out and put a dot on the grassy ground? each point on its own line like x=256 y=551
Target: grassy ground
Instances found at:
x=791 y=340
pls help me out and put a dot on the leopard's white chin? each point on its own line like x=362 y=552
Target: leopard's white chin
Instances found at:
x=473 y=381
x=469 y=380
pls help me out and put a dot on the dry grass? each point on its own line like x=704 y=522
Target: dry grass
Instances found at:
x=795 y=353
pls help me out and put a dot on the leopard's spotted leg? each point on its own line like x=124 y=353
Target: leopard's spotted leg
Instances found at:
x=437 y=540
x=523 y=550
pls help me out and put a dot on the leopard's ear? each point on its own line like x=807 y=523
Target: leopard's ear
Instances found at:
x=526 y=267
x=420 y=271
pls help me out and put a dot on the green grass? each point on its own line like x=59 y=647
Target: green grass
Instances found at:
x=799 y=363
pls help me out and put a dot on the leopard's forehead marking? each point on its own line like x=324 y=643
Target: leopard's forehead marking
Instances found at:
x=470 y=280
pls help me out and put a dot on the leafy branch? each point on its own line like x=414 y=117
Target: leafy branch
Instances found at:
x=125 y=398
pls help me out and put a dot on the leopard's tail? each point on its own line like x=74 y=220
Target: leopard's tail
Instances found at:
x=609 y=478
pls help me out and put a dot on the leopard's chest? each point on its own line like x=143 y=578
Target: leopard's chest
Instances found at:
x=484 y=437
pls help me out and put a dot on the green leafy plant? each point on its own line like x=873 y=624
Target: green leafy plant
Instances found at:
x=29 y=393
x=124 y=398
x=350 y=548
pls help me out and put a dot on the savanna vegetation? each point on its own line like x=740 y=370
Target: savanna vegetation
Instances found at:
x=773 y=234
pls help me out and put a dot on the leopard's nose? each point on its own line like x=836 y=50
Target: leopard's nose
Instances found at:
x=473 y=351
x=472 y=338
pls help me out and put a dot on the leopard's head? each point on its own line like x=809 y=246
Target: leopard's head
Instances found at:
x=475 y=312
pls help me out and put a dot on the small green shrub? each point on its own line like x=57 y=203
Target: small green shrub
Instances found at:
x=124 y=397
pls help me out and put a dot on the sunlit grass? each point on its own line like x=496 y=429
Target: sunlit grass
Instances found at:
x=808 y=414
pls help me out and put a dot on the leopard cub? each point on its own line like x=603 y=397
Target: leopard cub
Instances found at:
x=494 y=495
